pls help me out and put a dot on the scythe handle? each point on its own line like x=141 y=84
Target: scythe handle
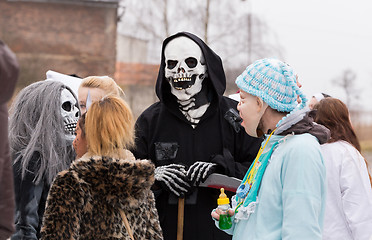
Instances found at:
x=181 y=206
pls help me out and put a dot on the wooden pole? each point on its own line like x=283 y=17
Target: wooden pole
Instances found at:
x=181 y=206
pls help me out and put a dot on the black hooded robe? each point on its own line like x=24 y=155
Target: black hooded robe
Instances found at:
x=165 y=136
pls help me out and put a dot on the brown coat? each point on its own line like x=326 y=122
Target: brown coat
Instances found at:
x=8 y=79
x=85 y=201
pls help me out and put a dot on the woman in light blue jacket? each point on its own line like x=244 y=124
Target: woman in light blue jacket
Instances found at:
x=282 y=196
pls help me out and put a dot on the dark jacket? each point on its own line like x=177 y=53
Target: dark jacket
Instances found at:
x=30 y=200
x=8 y=78
x=165 y=136
x=85 y=201
x=307 y=125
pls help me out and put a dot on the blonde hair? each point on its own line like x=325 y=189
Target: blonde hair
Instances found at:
x=109 y=127
x=107 y=84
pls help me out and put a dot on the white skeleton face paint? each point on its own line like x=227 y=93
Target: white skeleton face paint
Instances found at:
x=185 y=68
x=70 y=113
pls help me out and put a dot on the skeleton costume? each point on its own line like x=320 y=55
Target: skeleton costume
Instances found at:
x=42 y=122
x=187 y=137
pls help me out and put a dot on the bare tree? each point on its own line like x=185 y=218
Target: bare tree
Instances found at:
x=229 y=27
x=206 y=22
x=347 y=82
x=152 y=20
x=226 y=25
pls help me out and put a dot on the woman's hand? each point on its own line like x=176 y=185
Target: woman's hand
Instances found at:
x=217 y=212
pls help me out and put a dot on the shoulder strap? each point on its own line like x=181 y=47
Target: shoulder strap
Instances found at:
x=126 y=223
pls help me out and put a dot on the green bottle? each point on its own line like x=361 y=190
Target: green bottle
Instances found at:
x=224 y=205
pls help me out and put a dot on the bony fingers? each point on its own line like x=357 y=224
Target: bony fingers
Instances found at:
x=181 y=168
x=193 y=167
x=175 y=170
x=183 y=171
x=171 y=189
x=184 y=186
x=173 y=165
x=179 y=190
x=208 y=171
x=174 y=174
x=175 y=192
x=205 y=176
x=195 y=175
x=191 y=175
x=197 y=182
x=176 y=177
x=200 y=174
x=190 y=171
x=173 y=180
x=176 y=167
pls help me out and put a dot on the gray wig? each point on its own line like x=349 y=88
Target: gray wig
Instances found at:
x=36 y=125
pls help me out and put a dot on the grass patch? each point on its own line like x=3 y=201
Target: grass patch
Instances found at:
x=366 y=145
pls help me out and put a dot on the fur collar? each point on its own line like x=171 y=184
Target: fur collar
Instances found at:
x=117 y=181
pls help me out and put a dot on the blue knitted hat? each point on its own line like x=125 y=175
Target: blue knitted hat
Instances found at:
x=274 y=82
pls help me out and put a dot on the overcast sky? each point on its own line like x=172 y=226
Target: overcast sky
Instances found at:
x=321 y=39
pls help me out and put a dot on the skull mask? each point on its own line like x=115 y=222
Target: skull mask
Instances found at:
x=70 y=112
x=185 y=67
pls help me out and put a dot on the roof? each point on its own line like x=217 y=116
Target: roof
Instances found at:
x=136 y=74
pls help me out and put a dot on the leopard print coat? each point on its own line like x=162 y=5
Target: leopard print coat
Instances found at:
x=84 y=201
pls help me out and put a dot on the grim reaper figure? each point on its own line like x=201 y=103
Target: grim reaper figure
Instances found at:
x=187 y=136
x=42 y=124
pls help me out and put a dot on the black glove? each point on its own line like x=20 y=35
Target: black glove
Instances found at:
x=173 y=179
x=200 y=171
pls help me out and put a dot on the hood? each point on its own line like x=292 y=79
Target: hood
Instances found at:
x=9 y=70
x=300 y=123
x=117 y=181
x=216 y=75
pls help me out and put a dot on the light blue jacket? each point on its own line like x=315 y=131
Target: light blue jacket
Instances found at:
x=291 y=199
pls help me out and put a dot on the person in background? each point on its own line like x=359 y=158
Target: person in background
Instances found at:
x=94 y=88
x=316 y=98
x=80 y=141
x=9 y=70
x=348 y=213
x=282 y=196
x=105 y=194
x=42 y=122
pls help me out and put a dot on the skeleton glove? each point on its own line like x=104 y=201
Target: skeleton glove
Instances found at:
x=200 y=171
x=173 y=178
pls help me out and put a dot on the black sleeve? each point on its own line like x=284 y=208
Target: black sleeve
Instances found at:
x=239 y=150
x=28 y=196
x=237 y=165
x=140 y=150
